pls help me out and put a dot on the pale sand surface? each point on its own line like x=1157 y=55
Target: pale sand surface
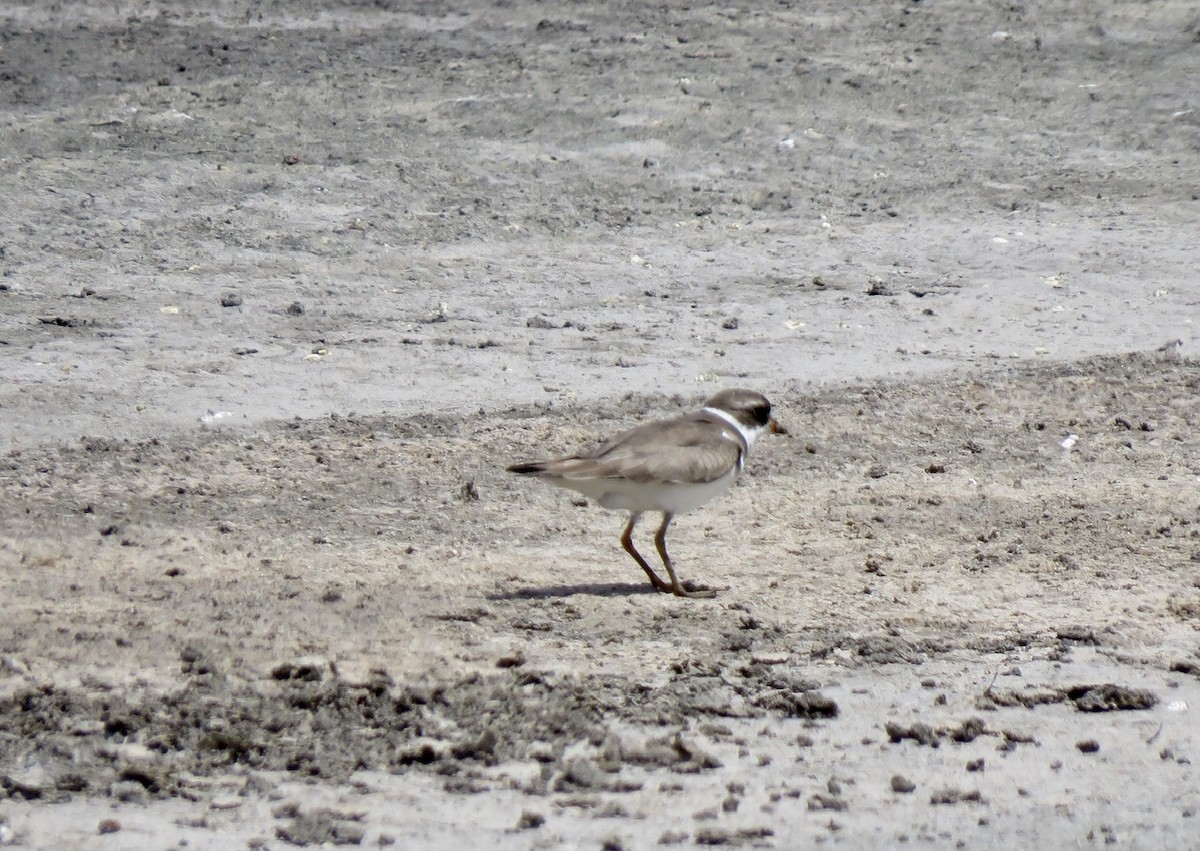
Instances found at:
x=267 y=584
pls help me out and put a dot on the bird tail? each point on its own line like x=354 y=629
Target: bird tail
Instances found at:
x=529 y=468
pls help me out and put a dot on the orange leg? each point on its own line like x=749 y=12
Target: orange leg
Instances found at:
x=660 y=541
x=627 y=543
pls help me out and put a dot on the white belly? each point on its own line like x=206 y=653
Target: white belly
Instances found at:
x=672 y=497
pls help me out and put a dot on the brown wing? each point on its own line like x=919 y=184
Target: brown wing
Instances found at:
x=687 y=449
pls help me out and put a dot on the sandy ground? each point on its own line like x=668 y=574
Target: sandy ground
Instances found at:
x=284 y=287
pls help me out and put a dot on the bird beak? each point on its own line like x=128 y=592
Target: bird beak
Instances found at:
x=776 y=428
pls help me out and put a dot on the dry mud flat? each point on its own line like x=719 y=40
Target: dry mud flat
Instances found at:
x=959 y=610
x=311 y=207
x=947 y=623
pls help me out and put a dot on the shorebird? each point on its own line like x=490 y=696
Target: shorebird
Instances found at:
x=669 y=466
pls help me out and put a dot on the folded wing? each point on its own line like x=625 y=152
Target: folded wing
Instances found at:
x=681 y=450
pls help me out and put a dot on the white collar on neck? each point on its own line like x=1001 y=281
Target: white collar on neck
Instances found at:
x=748 y=434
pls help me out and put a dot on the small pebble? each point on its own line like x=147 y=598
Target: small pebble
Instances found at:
x=530 y=820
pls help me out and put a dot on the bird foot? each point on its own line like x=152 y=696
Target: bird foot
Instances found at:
x=695 y=590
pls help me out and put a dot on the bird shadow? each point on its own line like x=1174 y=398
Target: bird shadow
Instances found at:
x=594 y=589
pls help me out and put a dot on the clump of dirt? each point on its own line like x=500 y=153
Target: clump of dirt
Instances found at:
x=314 y=726
x=318 y=826
x=1108 y=697
x=306 y=720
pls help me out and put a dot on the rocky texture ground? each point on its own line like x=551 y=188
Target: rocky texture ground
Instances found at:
x=283 y=291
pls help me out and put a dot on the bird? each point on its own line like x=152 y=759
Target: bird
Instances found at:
x=668 y=466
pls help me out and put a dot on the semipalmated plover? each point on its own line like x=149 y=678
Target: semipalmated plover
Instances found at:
x=670 y=466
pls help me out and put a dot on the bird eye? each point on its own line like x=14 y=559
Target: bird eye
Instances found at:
x=762 y=414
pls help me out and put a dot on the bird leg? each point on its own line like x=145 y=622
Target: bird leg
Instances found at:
x=676 y=587
x=627 y=543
